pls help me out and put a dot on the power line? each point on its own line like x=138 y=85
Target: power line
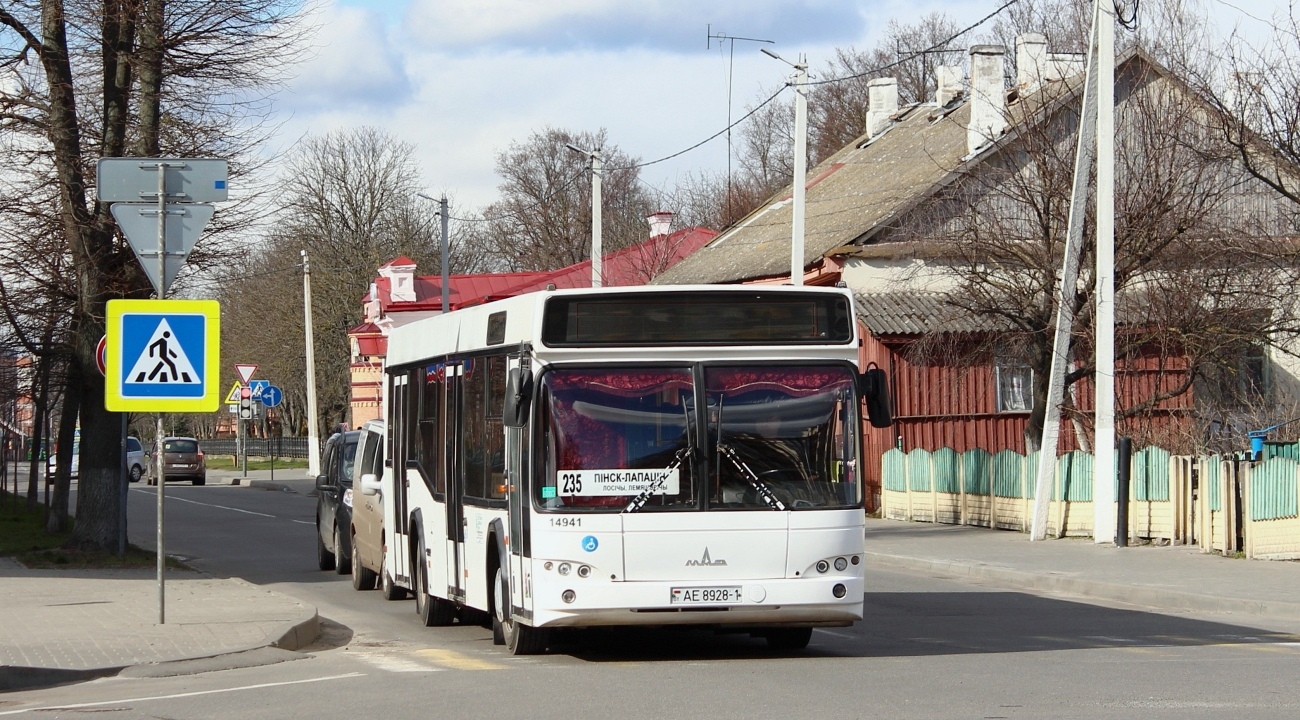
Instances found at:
x=873 y=71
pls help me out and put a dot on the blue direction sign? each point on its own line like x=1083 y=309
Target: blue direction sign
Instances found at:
x=162 y=355
x=271 y=395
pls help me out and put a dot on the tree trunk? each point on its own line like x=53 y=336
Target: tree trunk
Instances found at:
x=56 y=519
x=40 y=409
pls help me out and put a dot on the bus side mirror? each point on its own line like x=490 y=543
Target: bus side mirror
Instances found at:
x=519 y=395
x=873 y=386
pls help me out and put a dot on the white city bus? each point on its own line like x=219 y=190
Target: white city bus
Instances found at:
x=647 y=456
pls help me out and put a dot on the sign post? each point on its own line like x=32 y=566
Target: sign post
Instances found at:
x=172 y=383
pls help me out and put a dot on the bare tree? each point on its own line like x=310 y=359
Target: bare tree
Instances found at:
x=84 y=80
x=543 y=219
x=1195 y=260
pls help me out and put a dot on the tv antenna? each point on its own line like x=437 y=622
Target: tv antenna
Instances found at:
x=723 y=37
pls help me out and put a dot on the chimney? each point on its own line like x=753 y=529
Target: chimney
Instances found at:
x=1031 y=59
x=947 y=84
x=882 y=102
x=660 y=223
x=987 y=96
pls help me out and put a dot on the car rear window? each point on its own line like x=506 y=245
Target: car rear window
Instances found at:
x=180 y=446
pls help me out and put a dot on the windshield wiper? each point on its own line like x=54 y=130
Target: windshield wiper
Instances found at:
x=640 y=500
x=759 y=486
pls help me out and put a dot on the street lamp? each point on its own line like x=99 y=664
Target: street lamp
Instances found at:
x=442 y=213
x=800 y=161
x=597 y=169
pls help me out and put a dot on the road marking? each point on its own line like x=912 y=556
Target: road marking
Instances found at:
x=304 y=522
x=196 y=502
x=457 y=661
x=391 y=662
x=180 y=695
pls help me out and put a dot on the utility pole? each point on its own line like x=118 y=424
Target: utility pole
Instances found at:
x=313 y=433
x=1103 y=467
x=597 y=169
x=446 y=253
x=800 y=163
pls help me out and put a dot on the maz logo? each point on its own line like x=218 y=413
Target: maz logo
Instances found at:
x=705 y=561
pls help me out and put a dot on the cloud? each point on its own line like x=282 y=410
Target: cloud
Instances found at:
x=676 y=25
x=356 y=62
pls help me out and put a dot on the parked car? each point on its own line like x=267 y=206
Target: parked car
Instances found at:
x=368 y=538
x=334 y=503
x=182 y=460
x=136 y=459
x=53 y=460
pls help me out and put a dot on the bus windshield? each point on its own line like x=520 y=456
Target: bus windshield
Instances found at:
x=626 y=439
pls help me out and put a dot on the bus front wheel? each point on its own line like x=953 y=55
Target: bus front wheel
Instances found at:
x=518 y=638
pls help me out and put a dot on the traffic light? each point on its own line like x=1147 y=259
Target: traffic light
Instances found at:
x=245 y=403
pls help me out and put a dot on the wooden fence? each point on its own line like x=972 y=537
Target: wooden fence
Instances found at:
x=1223 y=504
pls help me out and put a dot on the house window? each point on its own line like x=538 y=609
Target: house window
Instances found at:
x=1015 y=385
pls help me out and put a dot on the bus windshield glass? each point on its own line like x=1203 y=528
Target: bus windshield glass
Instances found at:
x=626 y=439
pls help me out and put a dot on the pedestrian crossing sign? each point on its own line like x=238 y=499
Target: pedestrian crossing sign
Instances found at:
x=162 y=355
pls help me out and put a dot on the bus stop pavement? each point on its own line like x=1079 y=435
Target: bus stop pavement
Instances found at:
x=1170 y=578
x=62 y=626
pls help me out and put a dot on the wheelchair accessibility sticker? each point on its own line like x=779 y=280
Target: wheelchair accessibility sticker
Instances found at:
x=590 y=543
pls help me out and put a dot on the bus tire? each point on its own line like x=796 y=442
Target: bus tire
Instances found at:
x=390 y=590
x=518 y=638
x=500 y=597
x=434 y=611
x=789 y=638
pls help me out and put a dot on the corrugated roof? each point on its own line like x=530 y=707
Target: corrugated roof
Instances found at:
x=917 y=313
x=849 y=194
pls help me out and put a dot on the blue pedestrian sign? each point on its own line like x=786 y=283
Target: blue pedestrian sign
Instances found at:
x=162 y=355
x=272 y=396
x=258 y=386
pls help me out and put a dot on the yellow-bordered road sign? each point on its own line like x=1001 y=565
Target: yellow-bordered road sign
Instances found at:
x=232 y=397
x=163 y=356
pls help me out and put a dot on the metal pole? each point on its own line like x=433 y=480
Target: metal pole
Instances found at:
x=160 y=475
x=313 y=435
x=800 y=169
x=597 y=169
x=446 y=255
x=122 y=488
x=1125 y=479
x=1104 y=426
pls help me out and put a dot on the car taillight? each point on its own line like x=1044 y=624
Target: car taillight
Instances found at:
x=200 y=456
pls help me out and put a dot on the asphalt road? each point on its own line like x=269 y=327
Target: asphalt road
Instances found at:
x=929 y=648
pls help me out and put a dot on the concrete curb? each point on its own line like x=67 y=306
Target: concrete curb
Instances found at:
x=14 y=678
x=1148 y=596
x=268 y=485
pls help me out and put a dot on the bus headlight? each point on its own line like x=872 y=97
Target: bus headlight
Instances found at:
x=839 y=590
x=584 y=571
x=841 y=564
x=564 y=568
x=823 y=566
x=569 y=596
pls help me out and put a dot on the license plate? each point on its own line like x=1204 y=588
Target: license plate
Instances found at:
x=729 y=595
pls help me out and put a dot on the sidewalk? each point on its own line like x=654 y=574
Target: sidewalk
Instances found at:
x=62 y=626
x=1171 y=579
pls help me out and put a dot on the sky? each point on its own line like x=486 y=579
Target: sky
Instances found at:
x=462 y=79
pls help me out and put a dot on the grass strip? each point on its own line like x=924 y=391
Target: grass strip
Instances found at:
x=23 y=537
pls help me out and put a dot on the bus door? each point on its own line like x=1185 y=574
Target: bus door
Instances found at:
x=518 y=487
x=396 y=512
x=455 y=483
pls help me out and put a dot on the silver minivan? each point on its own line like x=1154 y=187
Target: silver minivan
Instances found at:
x=368 y=539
